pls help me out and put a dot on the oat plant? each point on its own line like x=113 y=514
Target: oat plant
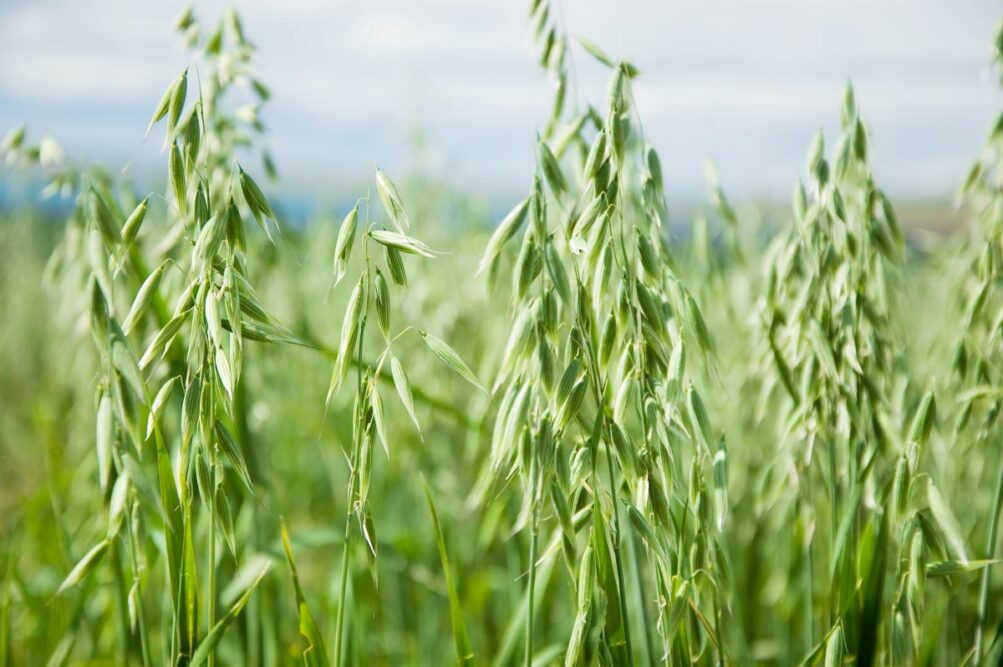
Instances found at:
x=622 y=474
x=977 y=360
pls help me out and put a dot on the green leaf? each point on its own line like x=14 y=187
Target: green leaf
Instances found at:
x=698 y=418
x=401 y=242
x=505 y=230
x=552 y=170
x=923 y=421
x=948 y=567
x=391 y=201
x=85 y=565
x=143 y=298
x=381 y=427
x=834 y=648
x=315 y=654
x=464 y=652
x=254 y=196
x=213 y=637
x=403 y=388
x=176 y=174
x=178 y=95
x=125 y=363
x=165 y=101
x=349 y=333
x=947 y=523
x=343 y=246
x=135 y=220
x=596 y=52
x=382 y=294
x=448 y=356
x=231 y=450
x=699 y=324
x=104 y=436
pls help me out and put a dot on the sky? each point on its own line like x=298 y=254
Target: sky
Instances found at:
x=745 y=83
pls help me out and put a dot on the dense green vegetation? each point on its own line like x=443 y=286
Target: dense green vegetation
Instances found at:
x=566 y=437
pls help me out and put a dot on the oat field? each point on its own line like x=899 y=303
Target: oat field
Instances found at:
x=581 y=433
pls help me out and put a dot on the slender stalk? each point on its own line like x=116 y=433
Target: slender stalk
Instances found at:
x=809 y=583
x=354 y=464
x=621 y=582
x=140 y=615
x=342 y=592
x=599 y=390
x=635 y=562
x=211 y=615
x=532 y=583
x=535 y=534
x=984 y=584
x=833 y=608
x=122 y=607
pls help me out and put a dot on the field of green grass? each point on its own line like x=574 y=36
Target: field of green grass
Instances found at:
x=584 y=433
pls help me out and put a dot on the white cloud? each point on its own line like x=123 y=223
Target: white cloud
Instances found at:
x=743 y=82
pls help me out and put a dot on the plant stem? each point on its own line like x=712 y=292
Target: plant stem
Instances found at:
x=984 y=585
x=339 y=624
x=140 y=616
x=211 y=617
x=618 y=558
x=123 y=614
x=635 y=561
x=354 y=464
x=534 y=529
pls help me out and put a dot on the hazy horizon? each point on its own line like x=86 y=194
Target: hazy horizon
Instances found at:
x=746 y=86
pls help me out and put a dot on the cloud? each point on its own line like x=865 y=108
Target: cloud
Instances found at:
x=746 y=83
